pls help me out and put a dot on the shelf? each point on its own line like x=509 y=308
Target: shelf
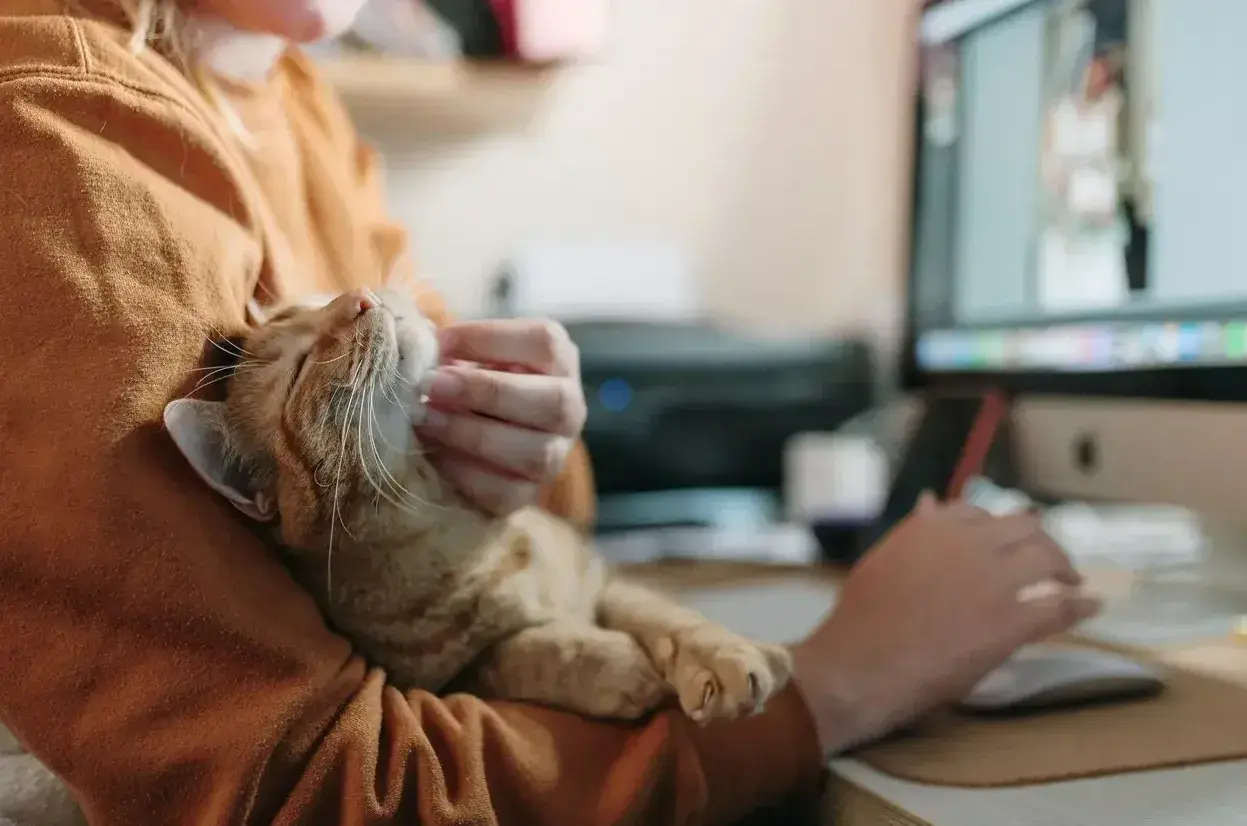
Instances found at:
x=467 y=91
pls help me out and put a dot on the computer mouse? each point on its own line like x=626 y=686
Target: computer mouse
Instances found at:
x=1043 y=677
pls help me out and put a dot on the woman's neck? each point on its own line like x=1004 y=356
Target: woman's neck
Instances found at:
x=244 y=56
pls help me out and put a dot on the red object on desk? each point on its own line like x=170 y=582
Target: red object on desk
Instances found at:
x=992 y=412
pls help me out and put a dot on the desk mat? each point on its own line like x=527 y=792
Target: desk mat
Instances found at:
x=851 y=805
x=1212 y=794
x=1196 y=719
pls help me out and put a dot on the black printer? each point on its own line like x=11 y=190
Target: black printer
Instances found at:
x=688 y=421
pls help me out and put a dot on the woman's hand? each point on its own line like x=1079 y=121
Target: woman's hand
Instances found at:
x=938 y=604
x=505 y=409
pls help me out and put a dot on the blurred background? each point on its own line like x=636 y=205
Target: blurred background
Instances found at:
x=757 y=138
x=677 y=183
x=787 y=236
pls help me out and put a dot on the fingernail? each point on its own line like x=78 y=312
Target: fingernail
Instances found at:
x=445 y=386
x=434 y=419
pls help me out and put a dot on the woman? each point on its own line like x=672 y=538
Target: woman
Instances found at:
x=157 y=655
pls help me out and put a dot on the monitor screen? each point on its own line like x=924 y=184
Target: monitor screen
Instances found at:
x=1081 y=170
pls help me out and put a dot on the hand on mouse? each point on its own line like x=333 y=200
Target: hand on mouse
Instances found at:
x=927 y=613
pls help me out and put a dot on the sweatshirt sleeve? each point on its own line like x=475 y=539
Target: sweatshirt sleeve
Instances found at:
x=156 y=654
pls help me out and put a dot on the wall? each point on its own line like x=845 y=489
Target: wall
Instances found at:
x=767 y=136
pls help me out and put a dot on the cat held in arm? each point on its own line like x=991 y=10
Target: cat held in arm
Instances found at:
x=315 y=439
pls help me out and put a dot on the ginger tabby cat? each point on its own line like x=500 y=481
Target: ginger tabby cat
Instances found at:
x=315 y=438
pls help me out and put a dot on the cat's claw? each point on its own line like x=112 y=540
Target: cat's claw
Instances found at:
x=719 y=675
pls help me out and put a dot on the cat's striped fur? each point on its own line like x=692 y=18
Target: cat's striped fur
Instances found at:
x=318 y=414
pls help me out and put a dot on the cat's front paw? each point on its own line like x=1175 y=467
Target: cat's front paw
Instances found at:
x=626 y=686
x=718 y=674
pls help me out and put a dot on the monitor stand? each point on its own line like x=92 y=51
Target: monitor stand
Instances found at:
x=959 y=435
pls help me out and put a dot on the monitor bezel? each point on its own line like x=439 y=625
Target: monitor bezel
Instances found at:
x=1181 y=382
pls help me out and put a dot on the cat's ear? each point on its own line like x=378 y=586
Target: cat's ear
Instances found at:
x=199 y=430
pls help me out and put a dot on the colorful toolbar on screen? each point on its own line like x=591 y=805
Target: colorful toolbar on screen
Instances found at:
x=1086 y=347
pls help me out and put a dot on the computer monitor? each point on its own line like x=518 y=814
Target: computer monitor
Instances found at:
x=1079 y=211
x=1077 y=232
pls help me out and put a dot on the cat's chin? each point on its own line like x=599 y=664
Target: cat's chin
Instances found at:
x=418 y=353
x=394 y=428
x=398 y=412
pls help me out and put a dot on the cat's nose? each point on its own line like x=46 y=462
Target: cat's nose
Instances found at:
x=351 y=305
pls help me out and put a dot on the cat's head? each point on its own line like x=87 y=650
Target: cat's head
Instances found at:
x=318 y=414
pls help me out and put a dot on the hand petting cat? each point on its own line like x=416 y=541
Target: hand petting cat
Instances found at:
x=505 y=409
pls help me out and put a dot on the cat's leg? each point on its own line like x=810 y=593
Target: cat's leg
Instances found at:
x=575 y=666
x=715 y=672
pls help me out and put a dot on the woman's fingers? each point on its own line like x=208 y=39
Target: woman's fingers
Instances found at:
x=540 y=346
x=1044 y=560
x=1011 y=529
x=1026 y=548
x=1057 y=612
x=1027 y=552
x=532 y=455
x=553 y=405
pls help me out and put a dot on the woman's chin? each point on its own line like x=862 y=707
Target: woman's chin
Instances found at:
x=300 y=21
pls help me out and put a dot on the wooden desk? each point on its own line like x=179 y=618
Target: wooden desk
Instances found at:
x=780 y=603
x=1225 y=659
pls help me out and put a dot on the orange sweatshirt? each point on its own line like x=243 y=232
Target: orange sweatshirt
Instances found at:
x=153 y=650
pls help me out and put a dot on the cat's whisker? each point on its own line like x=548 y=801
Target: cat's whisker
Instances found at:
x=386 y=474
x=346 y=354
x=209 y=372
x=364 y=457
x=220 y=342
x=334 y=513
x=359 y=434
x=408 y=501
x=388 y=391
x=214 y=376
x=354 y=401
x=391 y=486
x=212 y=367
x=359 y=382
